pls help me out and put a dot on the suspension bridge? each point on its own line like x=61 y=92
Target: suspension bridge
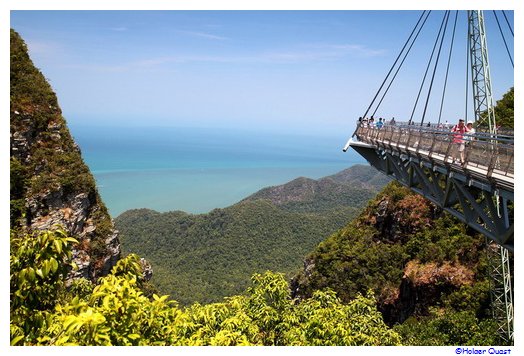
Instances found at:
x=475 y=182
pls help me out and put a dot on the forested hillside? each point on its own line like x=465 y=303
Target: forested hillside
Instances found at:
x=116 y=311
x=348 y=188
x=423 y=274
x=209 y=256
x=347 y=270
x=427 y=271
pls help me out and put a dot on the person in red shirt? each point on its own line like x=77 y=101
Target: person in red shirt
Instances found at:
x=458 y=132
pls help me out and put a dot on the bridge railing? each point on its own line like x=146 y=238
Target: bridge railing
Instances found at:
x=491 y=154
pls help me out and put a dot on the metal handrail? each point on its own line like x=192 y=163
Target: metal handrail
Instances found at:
x=502 y=136
x=492 y=153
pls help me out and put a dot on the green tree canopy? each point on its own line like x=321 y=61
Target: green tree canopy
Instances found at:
x=117 y=312
x=504 y=112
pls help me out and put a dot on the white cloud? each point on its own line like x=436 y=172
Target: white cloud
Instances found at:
x=304 y=54
x=320 y=52
x=119 y=29
x=352 y=49
x=204 y=35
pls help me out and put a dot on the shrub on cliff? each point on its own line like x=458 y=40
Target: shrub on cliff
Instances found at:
x=116 y=311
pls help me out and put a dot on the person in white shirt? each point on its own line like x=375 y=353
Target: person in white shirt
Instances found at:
x=471 y=132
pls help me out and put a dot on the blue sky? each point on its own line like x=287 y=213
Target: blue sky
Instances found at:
x=291 y=71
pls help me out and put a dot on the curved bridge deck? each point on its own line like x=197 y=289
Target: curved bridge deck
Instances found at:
x=479 y=191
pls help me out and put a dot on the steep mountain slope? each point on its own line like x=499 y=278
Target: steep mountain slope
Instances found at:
x=209 y=256
x=361 y=175
x=349 y=187
x=427 y=271
x=50 y=184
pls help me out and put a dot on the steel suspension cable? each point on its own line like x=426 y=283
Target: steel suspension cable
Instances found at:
x=427 y=68
x=468 y=53
x=447 y=68
x=503 y=38
x=401 y=63
x=509 y=26
x=435 y=68
x=391 y=69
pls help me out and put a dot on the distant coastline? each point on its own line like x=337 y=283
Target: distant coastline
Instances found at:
x=199 y=169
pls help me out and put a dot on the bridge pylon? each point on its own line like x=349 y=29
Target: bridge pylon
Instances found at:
x=479 y=191
x=501 y=291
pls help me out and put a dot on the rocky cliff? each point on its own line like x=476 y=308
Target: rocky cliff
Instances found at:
x=51 y=186
x=409 y=252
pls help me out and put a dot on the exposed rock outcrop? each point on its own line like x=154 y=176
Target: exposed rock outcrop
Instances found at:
x=422 y=286
x=403 y=248
x=395 y=220
x=51 y=186
x=147 y=269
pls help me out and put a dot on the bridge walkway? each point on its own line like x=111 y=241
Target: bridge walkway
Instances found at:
x=426 y=160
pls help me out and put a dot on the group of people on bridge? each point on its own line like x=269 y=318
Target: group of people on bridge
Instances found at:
x=460 y=139
x=461 y=134
x=371 y=122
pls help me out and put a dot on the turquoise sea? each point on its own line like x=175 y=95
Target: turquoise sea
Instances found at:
x=200 y=169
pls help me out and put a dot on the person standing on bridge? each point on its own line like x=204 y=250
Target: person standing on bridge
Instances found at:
x=458 y=132
x=471 y=132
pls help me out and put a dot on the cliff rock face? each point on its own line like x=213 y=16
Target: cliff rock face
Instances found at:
x=404 y=249
x=423 y=286
x=51 y=186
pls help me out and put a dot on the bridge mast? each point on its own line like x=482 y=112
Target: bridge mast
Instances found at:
x=501 y=291
x=478 y=192
x=480 y=73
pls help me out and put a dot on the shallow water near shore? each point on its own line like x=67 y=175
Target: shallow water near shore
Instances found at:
x=199 y=169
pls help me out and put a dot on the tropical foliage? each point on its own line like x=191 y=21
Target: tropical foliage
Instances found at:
x=401 y=272
x=429 y=272
x=203 y=258
x=504 y=112
x=115 y=311
x=39 y=265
